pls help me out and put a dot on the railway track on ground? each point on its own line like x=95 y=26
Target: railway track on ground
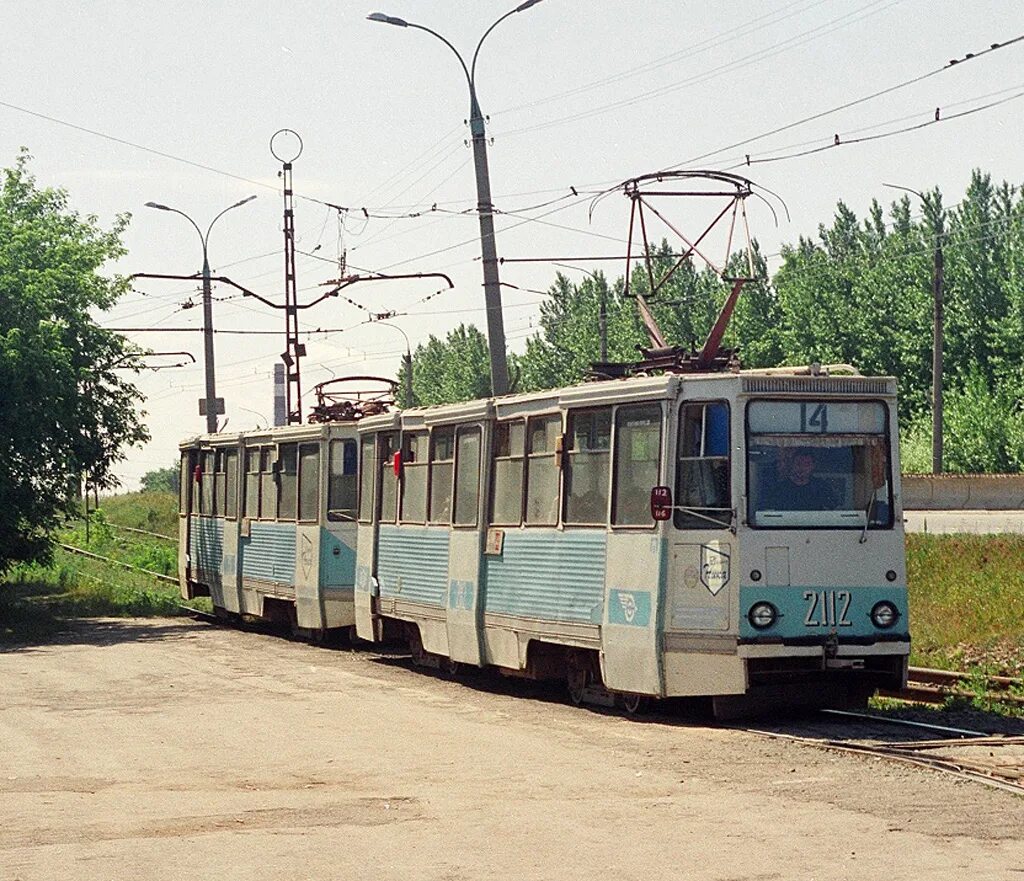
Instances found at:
x=993 y=760
x=936 y=686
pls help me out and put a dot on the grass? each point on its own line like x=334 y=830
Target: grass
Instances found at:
x=38 y=600
x=967 y=602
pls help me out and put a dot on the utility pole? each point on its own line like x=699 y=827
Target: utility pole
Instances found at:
x=294 y=350
x=936 y=217
x=211 y=406
x=485 y=208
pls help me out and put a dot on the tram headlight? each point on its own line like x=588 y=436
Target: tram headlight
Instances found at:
x=762 y=615
x=884 y=614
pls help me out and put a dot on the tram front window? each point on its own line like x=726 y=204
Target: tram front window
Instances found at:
x=821 y=464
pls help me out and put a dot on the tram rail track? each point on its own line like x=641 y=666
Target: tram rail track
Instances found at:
x=996 y=761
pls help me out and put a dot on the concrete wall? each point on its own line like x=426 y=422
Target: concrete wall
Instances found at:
x=963 y=492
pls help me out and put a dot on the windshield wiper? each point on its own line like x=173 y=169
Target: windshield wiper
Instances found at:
x=867 y=520
x=695 y=513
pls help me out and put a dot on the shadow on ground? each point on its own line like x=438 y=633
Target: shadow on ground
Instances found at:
x=37 y=613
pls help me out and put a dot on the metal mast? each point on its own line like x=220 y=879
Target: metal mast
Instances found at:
x=294 y=350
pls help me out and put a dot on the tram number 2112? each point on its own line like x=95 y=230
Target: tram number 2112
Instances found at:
x=827 y=608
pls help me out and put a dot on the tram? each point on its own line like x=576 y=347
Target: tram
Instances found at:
x=267 y=525
x=736 y=535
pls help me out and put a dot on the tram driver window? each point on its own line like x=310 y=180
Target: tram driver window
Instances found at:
x=703 y=484
x=367 y=474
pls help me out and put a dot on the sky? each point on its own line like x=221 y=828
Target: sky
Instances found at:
x=176 y=102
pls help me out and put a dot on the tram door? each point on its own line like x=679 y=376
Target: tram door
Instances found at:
x=464 y=613
x=702 y=585
x=378 y=493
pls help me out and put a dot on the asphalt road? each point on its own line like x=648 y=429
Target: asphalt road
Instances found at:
x=169 y=749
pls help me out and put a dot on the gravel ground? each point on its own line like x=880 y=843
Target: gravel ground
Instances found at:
x=169 y=749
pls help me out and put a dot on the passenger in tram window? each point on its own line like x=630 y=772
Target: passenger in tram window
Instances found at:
x=798 y=489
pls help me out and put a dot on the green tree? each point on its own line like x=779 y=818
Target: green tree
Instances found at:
x=454 y=369
x=162 y=480
x=66 y=408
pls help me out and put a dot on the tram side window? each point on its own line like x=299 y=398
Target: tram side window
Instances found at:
x=231 y=484
x=467 y=477
x=703 y=484
x=309 y=482
x=268 y=487
x=586 y=477
x=542 y=470
x=184 y=480
x=414 y=477
x=442 y=464
x=252 y=483
x=287 y=480
x=195 y=477
x=637 y=453
x=388 y=480
x=507 y=473
x=341 y=479
x=206 y=505
x=219 y=483
x=367 y=474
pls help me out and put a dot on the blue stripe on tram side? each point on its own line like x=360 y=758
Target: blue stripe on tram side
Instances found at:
x=206 y=543
x=269 y=552
x=412 y=563
x=548 y=575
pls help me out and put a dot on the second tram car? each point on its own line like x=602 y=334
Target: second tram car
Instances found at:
x=733 y=535
x=267 y=524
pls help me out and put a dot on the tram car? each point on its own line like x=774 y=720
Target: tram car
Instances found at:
x=267 y=525
x=735 y=535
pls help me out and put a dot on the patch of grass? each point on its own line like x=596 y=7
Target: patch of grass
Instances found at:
x=155 y=511
x=967 y=601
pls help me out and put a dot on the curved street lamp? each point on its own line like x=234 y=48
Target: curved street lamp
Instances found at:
x=204 y=238
x=485 y=208
x=407 y=360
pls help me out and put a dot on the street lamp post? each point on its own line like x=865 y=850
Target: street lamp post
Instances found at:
x=485 y=208
x=210 y=401
x=602 y=308
x=406 y=361
x=933 y=211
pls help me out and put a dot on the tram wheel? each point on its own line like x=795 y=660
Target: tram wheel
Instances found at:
x=577 y=678
x=451 y=667
x=634 y=704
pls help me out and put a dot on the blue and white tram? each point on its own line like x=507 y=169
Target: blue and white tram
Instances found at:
x=267 y=524
x=733 y=535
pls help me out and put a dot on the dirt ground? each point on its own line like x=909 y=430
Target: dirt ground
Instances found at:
x=172 y=749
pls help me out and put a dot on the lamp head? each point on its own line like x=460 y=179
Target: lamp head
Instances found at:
x=158 y=206
x=243 y=201
x=398 y=22
x=522 y=7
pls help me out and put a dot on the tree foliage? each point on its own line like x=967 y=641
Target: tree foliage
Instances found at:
x=162 y=480
x=456 y=368
x=66 y=408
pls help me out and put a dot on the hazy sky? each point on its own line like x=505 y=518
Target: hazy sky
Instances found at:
x=579 y=94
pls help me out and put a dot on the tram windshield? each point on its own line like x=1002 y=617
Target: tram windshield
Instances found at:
x=818 y=464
